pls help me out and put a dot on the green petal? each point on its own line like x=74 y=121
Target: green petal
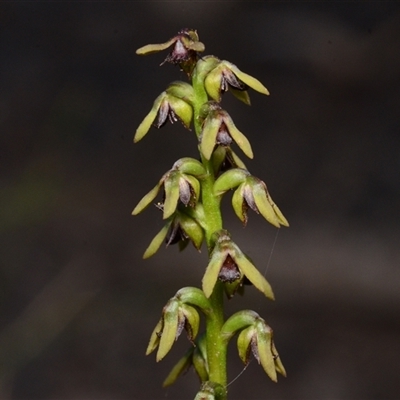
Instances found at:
x=170 y=328
x=242 y=95
x=145 y=125
x=155 y=48
x=147 y=199
x=209 y=135
x=244 y=343
x=195 y=185
x=171 y=187
x=211 y=275
x=238 y=203
x=193 y=320
x=197 y=46
x=229 y=180
x=183 y=110
x=247 y=79
x=239 y=163
x=157 y=241
x=238 y=137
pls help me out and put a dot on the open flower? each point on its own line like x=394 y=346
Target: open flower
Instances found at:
x=172 y=104
x=219 y=129
x=257 y=337
x=184 y=48
x=226 y=75
x=180 y=184
x=180 y=228
x=251 y=193
x=228 y=264
x=175 y=317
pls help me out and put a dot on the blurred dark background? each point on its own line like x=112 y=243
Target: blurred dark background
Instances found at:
x=78 y=303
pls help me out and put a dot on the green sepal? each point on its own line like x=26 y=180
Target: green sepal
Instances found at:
x=195 y=297
x=238 y=136
x=147 y=199
x=229 y=180
x=212 y=271
x=237 y=322
x=204 y=66
x=192 y=229
x=212 y=83
x=181 y=90
x=172 y=192
x=254 y=275
x=170 y=328
x=278 y=363
x=155 y=337
x=209 y=135
x=157 y=241
x=155 y=48
x=264 y=349
x=145 y=125
x=247 y=79
x=265 y=205
x=179 y=368
x=191 y=166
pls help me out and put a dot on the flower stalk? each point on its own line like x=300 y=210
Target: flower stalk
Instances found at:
x=191 y=193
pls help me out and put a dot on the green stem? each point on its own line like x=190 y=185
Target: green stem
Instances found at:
x=216 y=346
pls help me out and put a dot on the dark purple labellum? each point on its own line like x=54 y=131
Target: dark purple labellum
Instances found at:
x=229 y=271
x=223 y=136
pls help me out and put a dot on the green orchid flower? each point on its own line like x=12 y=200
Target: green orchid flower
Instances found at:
x=228 y=264
x=218 y=129
x=226 y=75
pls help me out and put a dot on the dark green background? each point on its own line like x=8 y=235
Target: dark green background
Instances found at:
x=77 y=301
